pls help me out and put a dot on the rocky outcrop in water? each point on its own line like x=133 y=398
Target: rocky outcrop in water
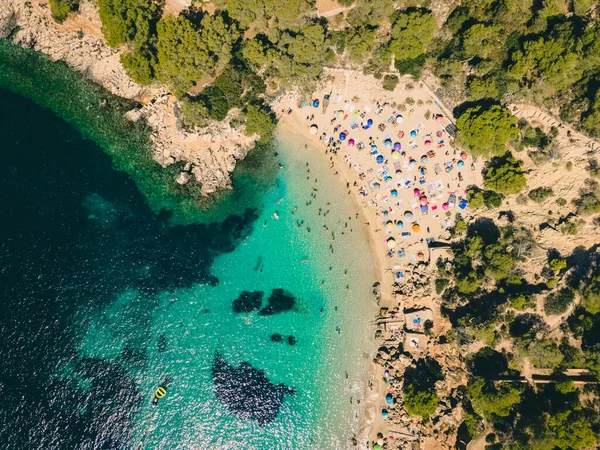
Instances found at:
x=213 y=151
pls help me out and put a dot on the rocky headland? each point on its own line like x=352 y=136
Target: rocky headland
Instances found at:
x=211 y=152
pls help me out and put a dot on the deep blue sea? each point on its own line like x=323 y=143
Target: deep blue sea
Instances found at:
x=257 y=327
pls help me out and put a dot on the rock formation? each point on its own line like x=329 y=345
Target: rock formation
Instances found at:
x=213 y=150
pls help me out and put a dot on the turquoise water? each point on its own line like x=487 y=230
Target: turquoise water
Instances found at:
x=105 y=299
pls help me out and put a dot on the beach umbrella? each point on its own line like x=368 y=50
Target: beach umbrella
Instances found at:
x=439 y=118
x=408 y=215
x=388 y=143
x=424 y=159
x=421 y=255
x=445 y=206
x=389 y=399
x=427 y=143
x=391 y=242
x=423 y=170
x=386 y=214
x=460 y=164
x=413 y=133
x=463 y=156
x=384 y=414
x=314 y=128
x=377 y=446
x=439 y=133
x=399 y=118
x=342 y=136
x=388 y=179
x=412 y=163
x=416 y=227
x=380 y=159
x=424 y=209
x=316 y=103
x=394 y=193
x=417 y=192
x=423 y=200
x=351 y=142
x=374 y=147
x=400 y=224
x=396 y=154
x=376 y=185
x=397 y=146
x=369 y=122
x=389 y=224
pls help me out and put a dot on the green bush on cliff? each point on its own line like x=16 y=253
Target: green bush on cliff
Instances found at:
x=259 y=122
x=140 y=65
x=420 y=403
x=194 y=111
x=504 y=175
x=60 y=9
x=493 y=400
x=486 y=130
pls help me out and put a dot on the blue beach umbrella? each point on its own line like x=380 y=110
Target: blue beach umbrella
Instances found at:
x=400 y=224
x=316 y=103
x=380 y=159
x=397 y=146
x=394 y=193
x=385 y=214
x=342 y=136
x=389 y=399
x=388 y=143
x=369 y=122
x=461 y=164
x=413 y=133
x=384 y=413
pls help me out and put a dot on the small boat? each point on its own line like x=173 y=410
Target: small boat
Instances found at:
x=160 y=393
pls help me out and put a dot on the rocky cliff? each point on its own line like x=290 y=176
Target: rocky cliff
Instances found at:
x=212 y=151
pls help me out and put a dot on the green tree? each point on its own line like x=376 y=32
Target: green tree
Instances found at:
x=485 y=131
x=568 y=429
x=482 y=88
x=485 y=41
x=140 y=65
x=185 y=52
x=540 y=194
x=558 y=302
x=505 y=176
x=259 y=122
x=194 y=111
x=420 y=402
x=475 y=197
x=493 y=400
x=128 y=21
x=546 y=61
x=60 y=9
x=557 y=264
x=412 y=33
x=359 y=43
x=543 y=354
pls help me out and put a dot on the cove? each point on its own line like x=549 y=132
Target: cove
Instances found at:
x=107 y=297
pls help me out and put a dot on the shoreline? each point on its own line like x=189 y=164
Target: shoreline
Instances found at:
x=290 y=125
x=396 y=294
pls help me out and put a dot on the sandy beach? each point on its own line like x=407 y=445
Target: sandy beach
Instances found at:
x=394 y=153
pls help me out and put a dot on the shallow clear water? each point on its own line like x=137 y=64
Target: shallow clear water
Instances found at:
x=105 y=300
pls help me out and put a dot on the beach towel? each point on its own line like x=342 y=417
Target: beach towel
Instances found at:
x=414 y=204
x=437 y=169
x=420 y=126
x=439 y=185
x=346 y=106
x=430 y=188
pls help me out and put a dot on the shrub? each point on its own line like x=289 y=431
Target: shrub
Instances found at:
x=492 y=199
x=460 y=228
x=570 y=227
x=558 y=264
x=60 y=9
x=194 y=112
x=259 y=122
x=390 y=82
x=475 y=197
x=543 y=354
x=440 y=285
x=522 y=302
x=558 y=302
x=561 y=201
x=540 y=194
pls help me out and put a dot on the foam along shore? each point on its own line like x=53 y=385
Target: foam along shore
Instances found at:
x=394 y=152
